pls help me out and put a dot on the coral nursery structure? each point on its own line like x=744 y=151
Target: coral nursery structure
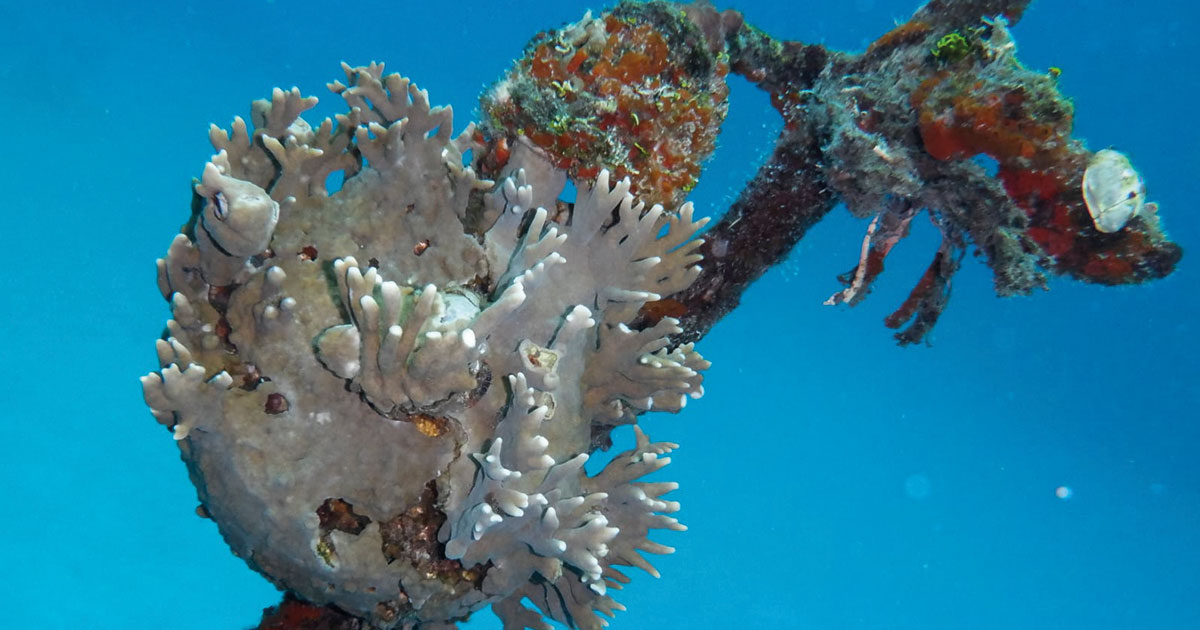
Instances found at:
x=386 y=394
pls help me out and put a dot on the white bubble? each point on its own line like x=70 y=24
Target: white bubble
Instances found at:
x=1063 y=492
x=917 y=486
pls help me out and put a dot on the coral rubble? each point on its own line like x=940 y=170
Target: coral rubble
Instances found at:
x=386 y=393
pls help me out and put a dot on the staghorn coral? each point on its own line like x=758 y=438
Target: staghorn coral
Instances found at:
x=442 y=387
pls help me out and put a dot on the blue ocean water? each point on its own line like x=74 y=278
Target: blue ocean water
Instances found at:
x=830 y=479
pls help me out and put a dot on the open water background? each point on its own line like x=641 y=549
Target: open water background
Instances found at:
x=830 y=479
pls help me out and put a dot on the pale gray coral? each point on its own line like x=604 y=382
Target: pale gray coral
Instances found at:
x=526 y=513
x=630 y=508
x=246 y=151
x=421 y=350
x=182 y=395
x=414 y=365
x=179 y=272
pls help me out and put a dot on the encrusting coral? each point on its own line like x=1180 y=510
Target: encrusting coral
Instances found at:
x=386 y=393
x=395 y=353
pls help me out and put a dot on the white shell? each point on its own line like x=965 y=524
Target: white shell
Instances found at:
x=1113 y=191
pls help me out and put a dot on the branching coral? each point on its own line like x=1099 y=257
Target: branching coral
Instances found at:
x=479 y=367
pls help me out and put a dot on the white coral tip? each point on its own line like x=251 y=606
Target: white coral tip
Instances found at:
x=550 y=519
x=221 y=380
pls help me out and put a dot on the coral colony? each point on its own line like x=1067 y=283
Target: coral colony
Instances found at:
x=386 y=394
